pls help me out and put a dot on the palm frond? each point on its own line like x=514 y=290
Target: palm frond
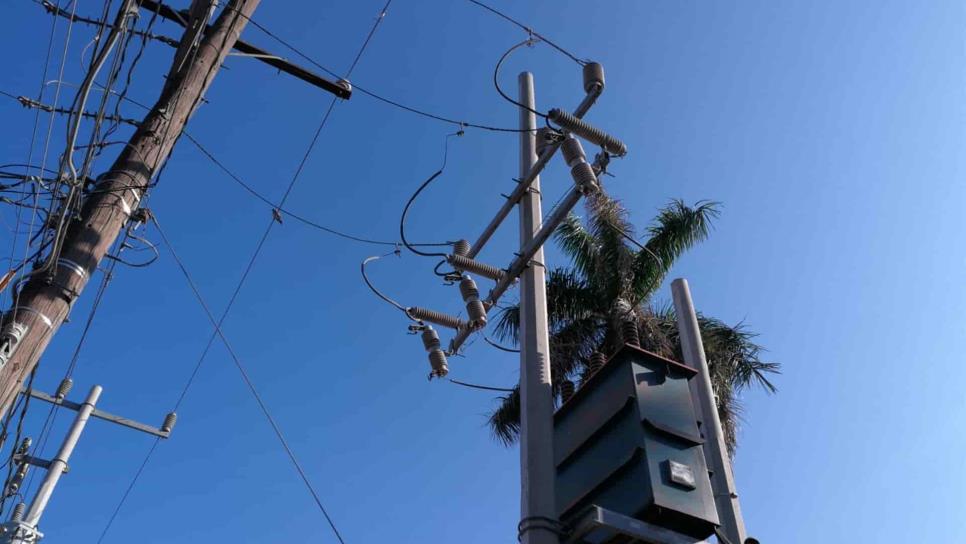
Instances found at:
x=504 y=422
x=677 y=228
x=578 y=244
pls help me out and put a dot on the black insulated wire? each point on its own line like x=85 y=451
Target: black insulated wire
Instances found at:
x=371 y=94
x=531 y=31
x=482 y=387
x=409 y=203
x=496 y=78
x=379 y=293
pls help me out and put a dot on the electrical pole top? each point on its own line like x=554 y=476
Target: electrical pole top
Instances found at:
x=23 y=523
x=340 y=88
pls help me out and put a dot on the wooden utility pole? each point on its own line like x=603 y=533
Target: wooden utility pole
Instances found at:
x=46 y=298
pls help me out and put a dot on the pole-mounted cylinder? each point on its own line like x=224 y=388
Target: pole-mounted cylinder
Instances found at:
x=461 y=247
x=597 y=361
x=432 y=316
x=581 y=128
x=64 y=388
x=18 y=512
x=630 y=333
x=465 y=264
x=169 y=420
x=437 y=359
x=582 y=173
x=593 y=76
x=474 y=306
x=567 y=390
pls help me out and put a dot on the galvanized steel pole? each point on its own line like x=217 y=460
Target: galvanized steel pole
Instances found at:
x=722 y=479
x=59 y=463
x=537 y=503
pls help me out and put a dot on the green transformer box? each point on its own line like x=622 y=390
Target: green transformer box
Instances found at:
x=629 y=441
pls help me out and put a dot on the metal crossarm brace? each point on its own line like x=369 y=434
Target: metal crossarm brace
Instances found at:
x=100 y=414
x=342 y=89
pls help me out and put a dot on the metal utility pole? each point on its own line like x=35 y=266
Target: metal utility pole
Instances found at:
x=46 y=298
x=22 y=527
x=538 y=508
x=722 y=479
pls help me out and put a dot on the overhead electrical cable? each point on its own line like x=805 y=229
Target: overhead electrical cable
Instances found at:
x=378 y=97
x=402 y=218
x=529 y=30
x=284 y=211
x=248 y=381
x=218 y=323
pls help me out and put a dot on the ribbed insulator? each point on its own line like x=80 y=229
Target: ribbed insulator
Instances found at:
x=18 y=511
x=593 y=76
x=590 y=133
x=567 y=389
x=630 y=333
x=597 y=361
x=461 y=247
x=169 y=421
x=584 y=178
x=437 y=361
x=572 y=151
x=438 y=318
x=474 y=306
x=466 y=264
x=65 y=385
x=430 y=339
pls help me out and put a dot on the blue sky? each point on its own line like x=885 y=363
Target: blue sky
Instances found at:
x=831 y=132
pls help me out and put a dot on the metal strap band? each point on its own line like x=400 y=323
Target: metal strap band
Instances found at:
x=28 y=309
x=76 y=268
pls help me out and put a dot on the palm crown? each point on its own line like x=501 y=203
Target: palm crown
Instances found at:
x=610 y=282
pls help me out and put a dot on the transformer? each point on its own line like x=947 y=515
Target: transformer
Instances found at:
x=629 y=441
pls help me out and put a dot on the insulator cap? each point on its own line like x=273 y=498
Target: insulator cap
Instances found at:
x=590 y=133
x=593 y=76
x=430 y=339
x=597 y=361
x=584 y=178
x=465 y=264
x=65 y=386
x=630 y=333
x=438 y=318
x=169 y=420
x=573 y=151
x=567 y=389
x=461 y=247
x=474 y=307
x=437 y=362
x=18 y=511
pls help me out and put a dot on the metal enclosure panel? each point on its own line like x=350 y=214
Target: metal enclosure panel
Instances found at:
x=616 y=438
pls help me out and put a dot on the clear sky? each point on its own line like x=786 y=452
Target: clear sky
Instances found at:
x=831 y=132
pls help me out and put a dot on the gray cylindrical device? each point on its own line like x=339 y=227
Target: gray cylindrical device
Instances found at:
x=593 y=76
x=437 y=359
x=475 y=311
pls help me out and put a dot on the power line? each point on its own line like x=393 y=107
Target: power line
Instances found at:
x=251 y=190
x=248 y=382
x=530 y=31
x=217 y=324
x=372 y=94
x=483 y=387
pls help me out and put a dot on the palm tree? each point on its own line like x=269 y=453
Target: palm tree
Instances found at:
x=611 y=282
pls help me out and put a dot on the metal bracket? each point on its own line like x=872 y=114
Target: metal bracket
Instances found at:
x=100 y=414
x=597 y=524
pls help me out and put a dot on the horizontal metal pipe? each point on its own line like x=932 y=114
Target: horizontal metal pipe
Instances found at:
x=524 y=184
x=522 y=260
